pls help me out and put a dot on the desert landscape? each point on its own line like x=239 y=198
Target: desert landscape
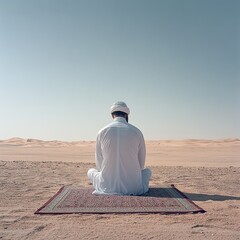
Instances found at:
x=207 y=171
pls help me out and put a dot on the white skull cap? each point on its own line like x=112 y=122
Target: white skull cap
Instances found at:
x=120 y=106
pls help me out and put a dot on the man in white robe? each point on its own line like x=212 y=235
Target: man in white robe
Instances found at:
x=120 y=157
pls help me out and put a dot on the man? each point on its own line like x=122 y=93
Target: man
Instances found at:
x=120 y=157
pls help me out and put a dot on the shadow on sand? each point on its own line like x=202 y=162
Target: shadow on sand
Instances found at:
x=172 y=192
x=207 y=197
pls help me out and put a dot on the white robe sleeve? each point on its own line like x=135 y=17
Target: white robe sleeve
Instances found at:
x=142 y=153
x=98 y=155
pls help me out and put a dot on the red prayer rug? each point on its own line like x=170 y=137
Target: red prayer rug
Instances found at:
x=164 y=200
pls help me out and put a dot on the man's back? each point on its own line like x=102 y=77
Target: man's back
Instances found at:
x=120 y=157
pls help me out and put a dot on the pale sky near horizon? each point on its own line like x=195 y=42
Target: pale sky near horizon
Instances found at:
x=64 y=62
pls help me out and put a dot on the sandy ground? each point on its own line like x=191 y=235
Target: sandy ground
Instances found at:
x=208 y=172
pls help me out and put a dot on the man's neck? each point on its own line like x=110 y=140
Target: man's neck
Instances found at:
x=118 y=118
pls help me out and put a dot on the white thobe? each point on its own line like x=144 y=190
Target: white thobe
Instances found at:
x=120 y=158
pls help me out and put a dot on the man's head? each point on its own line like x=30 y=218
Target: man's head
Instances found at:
x=120 y=109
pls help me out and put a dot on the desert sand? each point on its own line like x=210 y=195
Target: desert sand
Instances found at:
x=207 y=171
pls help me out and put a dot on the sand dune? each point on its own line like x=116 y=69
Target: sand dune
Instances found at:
x=16 y=141
x=36 y=142
x=208 y=153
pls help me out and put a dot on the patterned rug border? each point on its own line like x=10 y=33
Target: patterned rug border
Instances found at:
x=201 y=210
x=45 y=204
x=198 y=209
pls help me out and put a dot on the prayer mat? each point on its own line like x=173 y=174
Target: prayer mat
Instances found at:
x=164 y=200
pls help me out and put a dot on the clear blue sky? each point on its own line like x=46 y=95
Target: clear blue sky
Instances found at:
x=64 y=62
